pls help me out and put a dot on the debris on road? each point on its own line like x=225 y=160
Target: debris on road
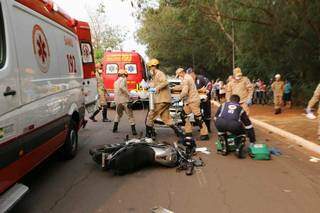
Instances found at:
x=203 y=150
x=275 y=151
x=160 y=210
x=314 y=159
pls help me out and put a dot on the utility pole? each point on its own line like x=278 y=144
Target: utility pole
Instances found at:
x=233 y=42
x=193 y=62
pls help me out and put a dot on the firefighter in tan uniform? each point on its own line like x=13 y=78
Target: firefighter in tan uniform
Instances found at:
x=122 y=100
x=162 y=101
x=102 y=102
x=240 y=85
x=313 y=101
x=189 y=94
x=278 y=90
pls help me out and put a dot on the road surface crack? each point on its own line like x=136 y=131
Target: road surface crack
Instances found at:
x=75 y=183
x=170 y=200
x=222 y=190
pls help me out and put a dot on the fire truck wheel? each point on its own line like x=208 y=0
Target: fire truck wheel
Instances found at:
x=70 y=147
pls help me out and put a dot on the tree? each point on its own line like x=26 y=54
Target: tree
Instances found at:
x=270 y=37
x=104 y=36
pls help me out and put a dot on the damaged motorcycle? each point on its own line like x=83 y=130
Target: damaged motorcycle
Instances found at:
x=135 y=154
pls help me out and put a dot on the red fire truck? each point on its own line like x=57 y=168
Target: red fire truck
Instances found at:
x=134 y=64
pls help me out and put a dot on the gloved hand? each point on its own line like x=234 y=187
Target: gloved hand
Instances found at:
x=152 y=90
x=249 y=102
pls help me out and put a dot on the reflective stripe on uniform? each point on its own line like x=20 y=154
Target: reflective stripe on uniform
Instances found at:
x=242 y=111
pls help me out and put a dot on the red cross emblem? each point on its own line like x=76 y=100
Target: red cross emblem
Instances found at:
x=41 y=48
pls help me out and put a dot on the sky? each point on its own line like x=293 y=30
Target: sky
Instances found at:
x=118 y=14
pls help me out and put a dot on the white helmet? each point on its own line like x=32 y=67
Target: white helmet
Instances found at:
x=277 y=76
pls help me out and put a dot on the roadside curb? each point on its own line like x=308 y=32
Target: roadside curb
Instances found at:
x=288 y=135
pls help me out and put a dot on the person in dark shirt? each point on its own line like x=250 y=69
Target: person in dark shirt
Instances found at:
x=232 y=118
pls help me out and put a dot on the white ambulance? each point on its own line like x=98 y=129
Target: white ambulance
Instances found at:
x=41 y=89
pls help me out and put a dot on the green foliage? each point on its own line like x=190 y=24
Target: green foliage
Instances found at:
x=270 y=37
x=104 y=36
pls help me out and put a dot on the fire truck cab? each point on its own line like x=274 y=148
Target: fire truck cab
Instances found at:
x=137 y=73
x=41 y=90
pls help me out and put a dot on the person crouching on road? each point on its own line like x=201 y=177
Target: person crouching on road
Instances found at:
x=231 y=117
x=102 y=102
x=162 y=101
x=278 y=90
x=315 y=99
x=240 y=85
x=190 y=96
x=122 y=100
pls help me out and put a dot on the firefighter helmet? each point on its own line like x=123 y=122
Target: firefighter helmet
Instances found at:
x=153 y=62
x=237 y=72
x=178 y=71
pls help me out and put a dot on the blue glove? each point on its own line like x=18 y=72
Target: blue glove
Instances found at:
x=152 y=90
x=249 y=102
x=275 y=151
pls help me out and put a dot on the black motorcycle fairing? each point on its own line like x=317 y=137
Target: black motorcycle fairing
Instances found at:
x=132 y=158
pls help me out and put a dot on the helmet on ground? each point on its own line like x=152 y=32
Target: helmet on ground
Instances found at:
x=153 y=62
x=237 y=72
x=122 y=72
x=178 y=71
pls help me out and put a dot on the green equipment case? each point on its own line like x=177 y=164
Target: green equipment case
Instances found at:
x=259 y=152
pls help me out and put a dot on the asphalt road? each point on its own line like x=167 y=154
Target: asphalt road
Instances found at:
x=287 y=183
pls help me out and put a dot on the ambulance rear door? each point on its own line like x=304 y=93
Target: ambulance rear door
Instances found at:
x=9 y=84
x=89 y=79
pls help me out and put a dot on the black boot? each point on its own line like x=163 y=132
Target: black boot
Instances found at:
x=200 y=122
x=177 y=130
x=208 y=124
x=133 y=130
x=104 y=115
x=92 y=117
x=115 y=127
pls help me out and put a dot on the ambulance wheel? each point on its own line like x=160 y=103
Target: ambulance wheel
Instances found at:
x=70 y=147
